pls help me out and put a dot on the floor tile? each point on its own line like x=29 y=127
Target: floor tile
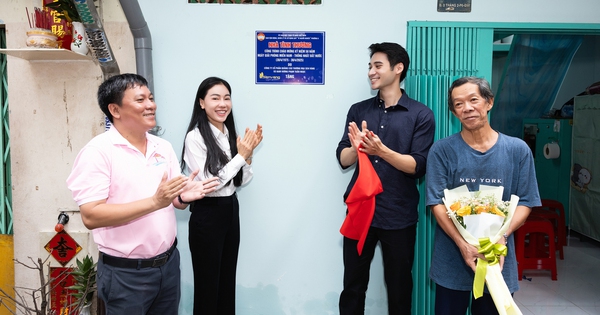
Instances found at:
x=577 y=290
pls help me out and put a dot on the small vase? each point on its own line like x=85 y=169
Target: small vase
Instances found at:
x=79 y=43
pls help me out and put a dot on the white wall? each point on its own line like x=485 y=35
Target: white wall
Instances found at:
x=53 y=114
x=290 y=255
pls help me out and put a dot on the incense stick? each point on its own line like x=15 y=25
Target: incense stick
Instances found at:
x=40 y=18
x=28 y=19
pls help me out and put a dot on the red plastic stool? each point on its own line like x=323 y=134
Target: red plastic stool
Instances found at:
x=532 y=252
x=554 y=211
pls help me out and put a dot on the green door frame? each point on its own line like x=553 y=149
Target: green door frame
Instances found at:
x=6 y=215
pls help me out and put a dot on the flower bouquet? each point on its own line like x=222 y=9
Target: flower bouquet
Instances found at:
x=482 y=218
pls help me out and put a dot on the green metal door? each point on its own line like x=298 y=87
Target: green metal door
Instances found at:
x=6 y=218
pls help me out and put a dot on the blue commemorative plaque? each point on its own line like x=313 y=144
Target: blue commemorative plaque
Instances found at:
x=290 y=57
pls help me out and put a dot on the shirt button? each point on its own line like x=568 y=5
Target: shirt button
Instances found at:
x=376 y=161
x=381 y=127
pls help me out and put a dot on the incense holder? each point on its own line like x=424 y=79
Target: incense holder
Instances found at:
x=41 y=38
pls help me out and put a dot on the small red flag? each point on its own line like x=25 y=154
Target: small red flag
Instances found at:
x=361 y=202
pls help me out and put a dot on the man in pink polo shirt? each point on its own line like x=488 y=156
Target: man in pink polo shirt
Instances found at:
x=127 y=183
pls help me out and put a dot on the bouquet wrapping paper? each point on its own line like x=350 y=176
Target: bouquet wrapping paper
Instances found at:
x=483 y=231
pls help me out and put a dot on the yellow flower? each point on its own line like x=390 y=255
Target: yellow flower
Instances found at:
x=455 y=206
x=463 y=211
x=497 y=211
x=481 y=209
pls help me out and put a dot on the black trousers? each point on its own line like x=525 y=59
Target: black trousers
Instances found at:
x=398 y=250
x=214 y=237
x=453 y=302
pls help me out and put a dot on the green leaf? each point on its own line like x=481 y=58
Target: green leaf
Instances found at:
x=66 y=10
x=84 y=276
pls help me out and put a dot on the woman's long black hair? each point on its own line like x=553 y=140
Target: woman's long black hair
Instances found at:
x=215 y=157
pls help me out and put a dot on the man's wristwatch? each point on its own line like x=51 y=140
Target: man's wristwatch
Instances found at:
x=187 y=203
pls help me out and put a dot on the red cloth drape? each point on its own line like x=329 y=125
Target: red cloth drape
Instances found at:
x=361 y=202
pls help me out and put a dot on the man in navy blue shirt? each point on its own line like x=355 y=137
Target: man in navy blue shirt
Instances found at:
x=396 y=132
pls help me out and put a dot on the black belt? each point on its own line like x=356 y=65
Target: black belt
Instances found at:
x=157 y=261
